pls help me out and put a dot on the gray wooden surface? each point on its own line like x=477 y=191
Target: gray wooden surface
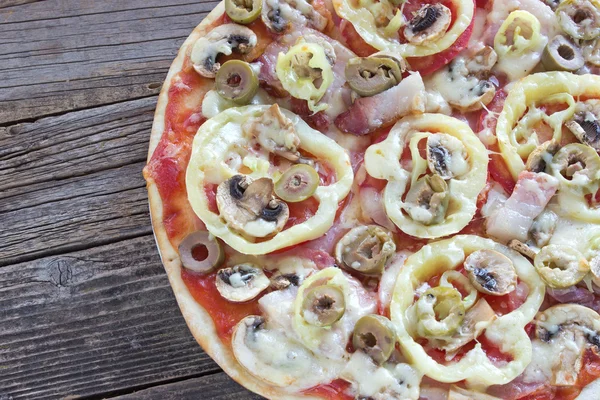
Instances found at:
x=86 y=310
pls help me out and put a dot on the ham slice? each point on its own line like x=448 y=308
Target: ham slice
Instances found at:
x=370 y=113
x=514 y=219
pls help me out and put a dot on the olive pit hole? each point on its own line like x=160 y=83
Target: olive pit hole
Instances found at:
x=368 y=339
x=200 y=252
x=566 y=52
x=580 y=16
x=234 y=80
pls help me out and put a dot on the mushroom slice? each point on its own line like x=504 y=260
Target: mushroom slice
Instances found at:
x=249 y=206
x=577 y=164
x=368 y=76
x=539 y=159
x=284 y=281
x=241 y=283
x=580 y=19
x=491 y=272
x=365 y=249
x=278 y=15
x=561 y=54
x=570 y=329
x=374 y=334
x=586 y=128
x=429 y=24
x=522 y=248
x=446 y=156
x=223 y=39
x=561 y=266
x=201 y=252
x=427 y=200
x=543 y=227
x=323 y=305
x=275 y=132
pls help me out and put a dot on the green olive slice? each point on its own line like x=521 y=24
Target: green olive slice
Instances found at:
x=374 y=334
x=201 y=252
x=297 y=183
x=323 y=305
x=561 y=266
x=236 y=81
x=562 y=55
x=243 y=11
x=368 y=76
x=440 y=311
x=580 y=19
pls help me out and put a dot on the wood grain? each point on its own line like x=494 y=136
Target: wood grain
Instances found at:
x=216 y=386
x=57 y=56
x=93 y=321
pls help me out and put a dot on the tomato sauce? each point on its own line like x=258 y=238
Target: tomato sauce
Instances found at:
x=331 y=391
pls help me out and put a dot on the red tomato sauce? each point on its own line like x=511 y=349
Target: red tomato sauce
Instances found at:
x=331 y=391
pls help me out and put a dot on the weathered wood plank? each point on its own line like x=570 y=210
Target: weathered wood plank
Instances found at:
x=216 y=386
x=93 y=321
x=57 y=56
x=74 y=181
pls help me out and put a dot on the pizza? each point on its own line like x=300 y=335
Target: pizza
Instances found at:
x=391 y=199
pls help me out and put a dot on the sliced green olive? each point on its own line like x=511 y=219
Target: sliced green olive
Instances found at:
x=368 y=76
x=580 y=19
x=365 y=249
x=562 y=55
x=574 y=162
x=297 y=183
x=243 y=11
x=375 y=335
x=440 y=311
x=323 y=305
x=561 y=266
x=236 y=81
x=427 y=200
x=201 y=252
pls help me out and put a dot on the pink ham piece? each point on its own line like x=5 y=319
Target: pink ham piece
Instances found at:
x=370 y=113
x=514 y=219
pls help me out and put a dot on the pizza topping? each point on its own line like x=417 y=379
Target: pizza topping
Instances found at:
x=541 y=157
x=429 y=24
x=241 y=283
x=446 y=156
x=561 y=266
x=491 y=272
x=586 y=128
x=450 y=276
x=591 y=52
x=562 y=55
x=201 y=252
x=248 y=206
x=576 y=164
x=580 y=19
x=570 y=329
x=298 y=183
x=543 y=228
x=374 y=334
x=475 y=321
x=368 y=76
x=464 y=82
x=439 y=312
x=458 y=393
x=223 y=39
x=365 y=249
x=279 y=15
x=236 y=81
x=323 y=305
x=243 y=11
x=305 y=72
x=427 y=200
x=280 y=282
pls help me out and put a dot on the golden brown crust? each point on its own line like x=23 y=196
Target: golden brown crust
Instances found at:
x=197 y=318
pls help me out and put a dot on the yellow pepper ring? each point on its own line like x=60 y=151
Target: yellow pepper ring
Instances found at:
x=507 y=331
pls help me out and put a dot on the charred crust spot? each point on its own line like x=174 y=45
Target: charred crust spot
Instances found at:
x=424 y=19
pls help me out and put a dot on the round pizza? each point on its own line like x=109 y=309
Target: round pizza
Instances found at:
x=387 y=199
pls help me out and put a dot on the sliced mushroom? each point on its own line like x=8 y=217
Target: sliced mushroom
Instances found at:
x=375 y=335
x=446 y=156
x=201 y=252
x=249 y=206
x=323 y=305
x=368 y=76
x=575 y=161
x=561 y=266
x=491 y=272
x=553 y=4
x=429 y=24
x=276 y=133
x=427 y=200
x=580 y=19
x=561 y=54
x=241 y=283
x=365 y=249
x=465 y=83
x=541 y=157
x=280 y=282
x=223 y=39
x=543 y=227
x=522 y=248
x=570 y=329
x=476 y=320
x=278 y=15
x=586 y=128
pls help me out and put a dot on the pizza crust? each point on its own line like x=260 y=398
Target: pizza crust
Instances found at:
x=197 y=318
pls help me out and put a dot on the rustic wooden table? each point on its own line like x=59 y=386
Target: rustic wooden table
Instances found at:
x=86 y=310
